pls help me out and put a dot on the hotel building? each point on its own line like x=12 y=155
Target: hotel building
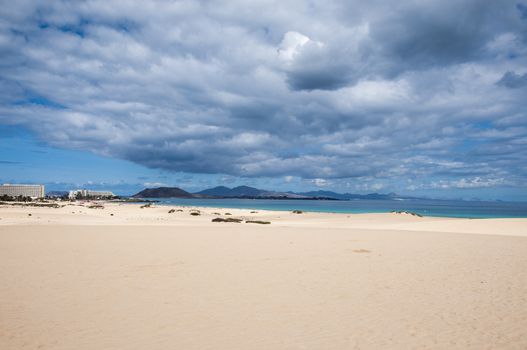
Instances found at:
x=90 y=194
x=33 y=191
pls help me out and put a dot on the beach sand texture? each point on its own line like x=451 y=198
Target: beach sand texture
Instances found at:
x=79 y=278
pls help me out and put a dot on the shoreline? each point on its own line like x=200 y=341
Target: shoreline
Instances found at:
x=160 y=202
x=431 y=211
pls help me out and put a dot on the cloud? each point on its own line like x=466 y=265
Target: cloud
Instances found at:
x=154 y=184
x=523 y=10
x=320 y=182
x=513 y=80
x=465 y=183
x=310 y=64
x=289 y=178
x=292 y=44
x=314 y=90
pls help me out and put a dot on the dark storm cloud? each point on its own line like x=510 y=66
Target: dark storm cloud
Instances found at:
x=513 y=80
x=317 y=79
x=366 y=91
x=522 y=8
x=441 y=33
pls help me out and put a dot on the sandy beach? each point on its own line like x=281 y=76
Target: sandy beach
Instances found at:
x=126 y=277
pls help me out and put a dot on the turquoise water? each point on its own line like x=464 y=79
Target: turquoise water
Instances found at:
x=442 y=208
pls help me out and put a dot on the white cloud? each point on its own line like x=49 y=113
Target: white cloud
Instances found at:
x=320 y=182
x=291 y=45
x=154 y=184
x=463 y=183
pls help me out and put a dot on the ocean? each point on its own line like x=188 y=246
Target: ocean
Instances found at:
x=440 y=208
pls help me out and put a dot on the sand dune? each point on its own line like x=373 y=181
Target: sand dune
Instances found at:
x=78 y=278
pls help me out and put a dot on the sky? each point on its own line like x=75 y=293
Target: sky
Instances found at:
x=422 y=98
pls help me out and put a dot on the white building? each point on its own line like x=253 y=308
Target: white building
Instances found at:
x=90 y=194
x=33 y=191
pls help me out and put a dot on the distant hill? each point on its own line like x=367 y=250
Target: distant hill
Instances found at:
x=163 y=192
x=219 y=191
x=248 y=192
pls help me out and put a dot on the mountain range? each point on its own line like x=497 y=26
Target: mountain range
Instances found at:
x=255 y=193
x=248 y=192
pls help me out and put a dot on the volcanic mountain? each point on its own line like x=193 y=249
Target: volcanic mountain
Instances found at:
x=163 y=192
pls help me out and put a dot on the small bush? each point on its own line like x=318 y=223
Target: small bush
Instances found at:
x=227 y=220
x=298 y=212
x=258 y=222
x=228 y=214
x=172 y=211
x=195 y=213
